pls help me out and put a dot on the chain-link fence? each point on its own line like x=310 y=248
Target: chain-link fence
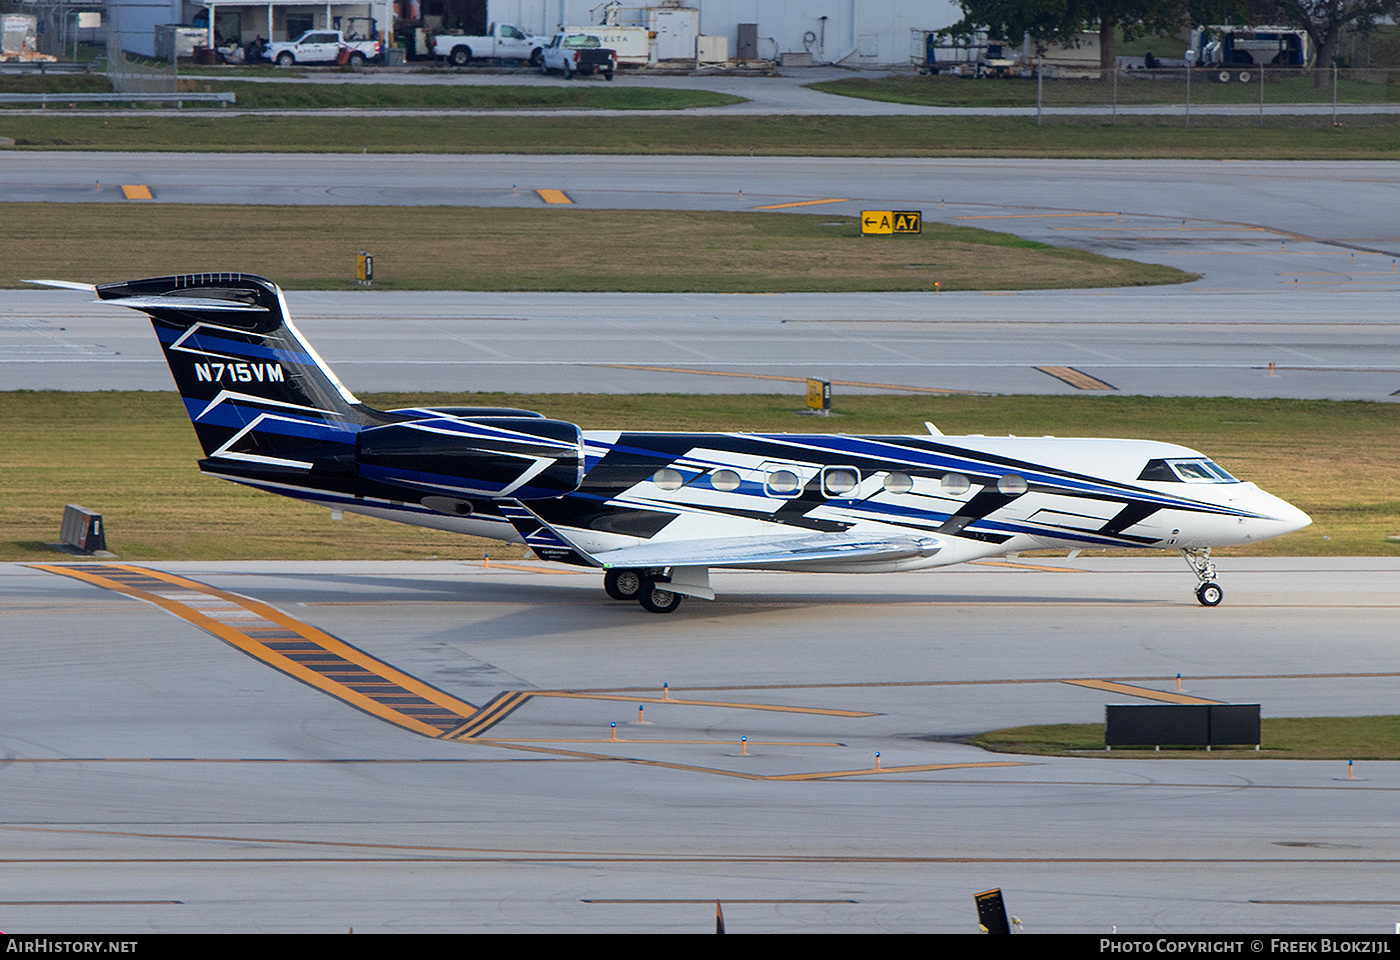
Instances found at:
x=1240 y=91
x=133 y=76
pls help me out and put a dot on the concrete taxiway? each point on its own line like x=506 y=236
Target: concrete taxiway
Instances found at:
x=1298 y=266
x=1172 y=344
x=164 y=770
x=162 y=774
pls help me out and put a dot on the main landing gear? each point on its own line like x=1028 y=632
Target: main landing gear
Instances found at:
x=647 y=587
x=1208 y=592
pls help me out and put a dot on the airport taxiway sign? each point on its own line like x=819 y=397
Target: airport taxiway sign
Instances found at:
x=891 y=221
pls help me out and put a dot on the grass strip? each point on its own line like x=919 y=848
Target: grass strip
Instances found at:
x=1283 y=738
x=1374 y=137
x=303 y=95
x=131 y=456
x=528 y=248
x=1365 y=87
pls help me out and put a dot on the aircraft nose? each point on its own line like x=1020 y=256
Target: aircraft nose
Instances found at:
x=1283 y=517
x=1296 y=519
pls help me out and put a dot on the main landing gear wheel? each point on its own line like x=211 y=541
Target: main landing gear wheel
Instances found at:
x=1210 y=594
x=623 y=584
x=655 y=597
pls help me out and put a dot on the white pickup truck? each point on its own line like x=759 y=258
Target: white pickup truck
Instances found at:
x=321 y=46
x=574 y=53
x=501 y=42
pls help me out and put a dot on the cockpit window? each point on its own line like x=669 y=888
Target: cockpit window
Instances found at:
x=1185 y=471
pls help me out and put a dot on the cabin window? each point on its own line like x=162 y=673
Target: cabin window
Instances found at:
x=724 y=480
x=783 y=483
x=1012 y=485
x=955 y=484
x=668 y=479
x=1194 y=470
x=839 y=481
x=896 y=482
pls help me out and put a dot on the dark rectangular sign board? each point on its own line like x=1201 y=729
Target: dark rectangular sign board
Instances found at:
x=1181 y=724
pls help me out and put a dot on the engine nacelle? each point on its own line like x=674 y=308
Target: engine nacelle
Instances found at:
x=518 y=457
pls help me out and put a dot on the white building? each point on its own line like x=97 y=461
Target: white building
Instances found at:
x=866 y=32
x=134 y=22
x=855 y=32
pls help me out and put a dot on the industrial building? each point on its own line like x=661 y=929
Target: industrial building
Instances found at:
x=794 y=32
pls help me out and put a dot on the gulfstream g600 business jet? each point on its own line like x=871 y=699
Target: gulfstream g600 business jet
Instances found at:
x=655 y=511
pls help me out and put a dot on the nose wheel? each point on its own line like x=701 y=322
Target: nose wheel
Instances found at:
x=1208 y=593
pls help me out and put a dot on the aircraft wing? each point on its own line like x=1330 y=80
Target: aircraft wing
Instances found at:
x=780 y=548
x=767 y=551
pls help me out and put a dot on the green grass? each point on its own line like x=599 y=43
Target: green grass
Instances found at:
x=1283 y=138
x=301 y=96
x=1292 y=738
x=131 y=456
x=54 y=83
x=1360 y=86
x=537 y=248
x=292 y=95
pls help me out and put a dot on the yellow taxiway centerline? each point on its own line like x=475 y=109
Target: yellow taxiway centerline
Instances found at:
x=774 y=707
x=1076 y=378
x=383 y=691
x=803 y=203
x=1147 y=693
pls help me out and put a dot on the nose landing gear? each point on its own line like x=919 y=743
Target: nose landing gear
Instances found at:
x=1208 y=593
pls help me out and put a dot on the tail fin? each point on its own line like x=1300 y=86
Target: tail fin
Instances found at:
x=266 y=407
x=257 y=393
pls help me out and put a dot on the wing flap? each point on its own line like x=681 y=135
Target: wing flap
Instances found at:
x=769 y=550
x=782 y=549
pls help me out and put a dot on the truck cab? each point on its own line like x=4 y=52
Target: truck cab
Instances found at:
x=500 y=42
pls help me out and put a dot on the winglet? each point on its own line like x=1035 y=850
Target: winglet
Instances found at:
x=934 y=431
x=65 y=285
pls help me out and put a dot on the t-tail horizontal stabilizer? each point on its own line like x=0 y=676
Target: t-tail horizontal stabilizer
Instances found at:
x=267 y=408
